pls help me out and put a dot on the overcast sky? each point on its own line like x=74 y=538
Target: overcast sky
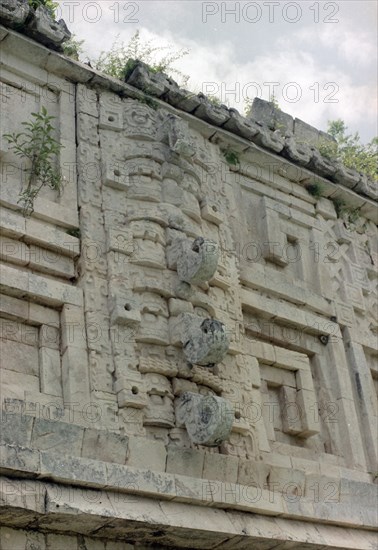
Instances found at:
x=319 y=58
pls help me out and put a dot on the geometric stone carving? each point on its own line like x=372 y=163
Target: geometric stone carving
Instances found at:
x=208 y=419
x=197 y=262
x=125 y=313
x=205 y=341
x=130 y=388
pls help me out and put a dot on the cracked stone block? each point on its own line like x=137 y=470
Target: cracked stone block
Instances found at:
x=297 y=152
x=267 y=114
x=270 y=140
x=205 y=341
x=213 y=114
x=367 y=187
x=13 y=13
x=155 y=84
x=45 y=30
x=188 y=102
x=321 y=165
x=241 y=126
x=208 y=419
x=346 y=176
x=197 y=261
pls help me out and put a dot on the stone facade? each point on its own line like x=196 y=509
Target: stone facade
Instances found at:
x=189 y=344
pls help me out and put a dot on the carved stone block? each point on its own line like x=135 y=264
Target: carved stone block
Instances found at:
x=125 y=313
x=44 y=29
x=13 y=12
x=205 y=341
x=208 y=419
x=175 y=132
x=197 y=261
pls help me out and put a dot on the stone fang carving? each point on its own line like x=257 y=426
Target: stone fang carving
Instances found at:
x=197 y=262
x=208 y=419
x=205 y=341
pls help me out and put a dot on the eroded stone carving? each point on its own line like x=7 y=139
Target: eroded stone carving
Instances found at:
x=205 y=341
x=13 y=12
x=208 y=419
x=175 y=132
x=197 y=261
x=47 y=31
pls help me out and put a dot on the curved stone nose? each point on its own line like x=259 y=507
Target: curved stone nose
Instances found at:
x=206 y=341
x=208 y=419
x=197 y=262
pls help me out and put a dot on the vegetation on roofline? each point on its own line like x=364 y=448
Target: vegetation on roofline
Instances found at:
x=73 y=47
x=50 y=5
x=349 y=150
x=119 y=60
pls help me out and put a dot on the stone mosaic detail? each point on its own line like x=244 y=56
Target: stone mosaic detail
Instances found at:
x=178 y=330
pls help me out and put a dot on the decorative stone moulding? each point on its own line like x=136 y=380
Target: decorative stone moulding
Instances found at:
x=205 y=341
x=208 y=419
x=197 y=261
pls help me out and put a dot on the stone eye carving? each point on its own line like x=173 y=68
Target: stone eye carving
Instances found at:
x=208 y=419
x=205 y=341
x=197 y=262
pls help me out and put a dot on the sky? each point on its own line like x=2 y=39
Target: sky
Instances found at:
x=318 y=59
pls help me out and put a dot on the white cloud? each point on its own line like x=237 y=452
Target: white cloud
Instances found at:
x=352 y=45
x=319 y=62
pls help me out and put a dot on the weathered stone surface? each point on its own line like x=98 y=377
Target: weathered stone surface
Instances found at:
x=151 y=83
x=241 y=126
x=208 y=419
x=197 y=261
x=44 y=29
x=13 y=13
x=224 y=388
x=214 y=114
x=205 y=342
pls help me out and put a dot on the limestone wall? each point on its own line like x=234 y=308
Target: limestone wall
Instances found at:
x=94 y=318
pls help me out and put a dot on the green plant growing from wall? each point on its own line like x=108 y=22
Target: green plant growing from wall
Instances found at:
x=120 y=60
x=38 y=145
x=349 y=150
x=231 y=157
x=73 y=48
x=315 y=189
x=273 y=100
x=350 y=216
x=50 y=5
x=214 y=100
